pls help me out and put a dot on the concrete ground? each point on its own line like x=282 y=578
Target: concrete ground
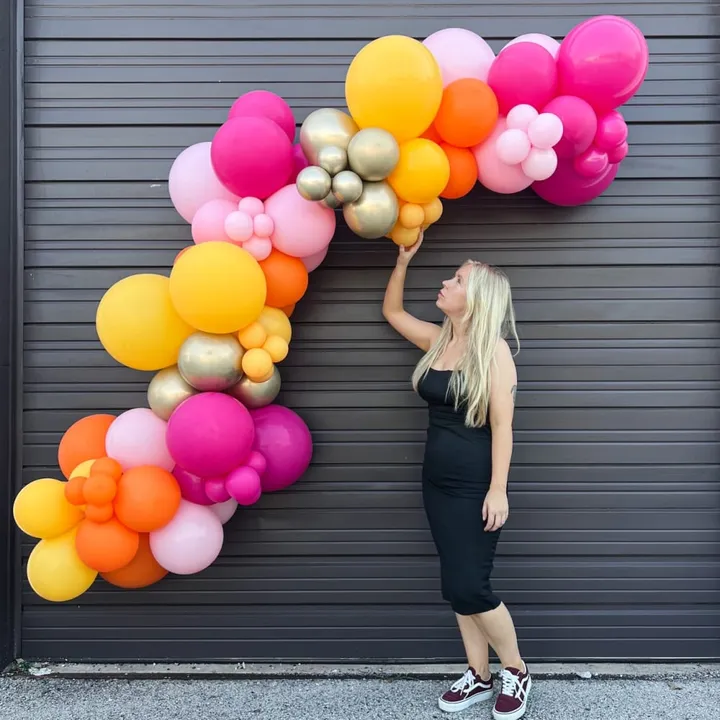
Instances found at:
x=692 y=697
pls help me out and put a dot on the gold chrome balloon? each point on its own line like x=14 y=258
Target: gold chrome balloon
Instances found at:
x=257 y=394
x=333 y=159
x=373 y=154
x=323 y=128
x=211 y=363
x=347 y=187
x=331 y=202
x=167 y=390
x=375 y=213
x=313 y=183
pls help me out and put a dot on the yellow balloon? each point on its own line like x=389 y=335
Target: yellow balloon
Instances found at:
x=276 y=348
x=41 y=510
x=253 y=336
x=276 y=322
x=404 y=236
x=218 y=287
x=411 y=215
x=55 y=571
x=422 y=172
x=394 y=83
x=137 y=324
x=83 y=469
x=433 y=211
x=257 y=365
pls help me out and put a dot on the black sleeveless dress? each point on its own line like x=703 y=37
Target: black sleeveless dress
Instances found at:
x=456 y=475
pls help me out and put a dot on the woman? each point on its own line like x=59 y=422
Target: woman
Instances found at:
x=468 y=379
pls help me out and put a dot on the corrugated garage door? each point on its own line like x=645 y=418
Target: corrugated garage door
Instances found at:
x=613 y=547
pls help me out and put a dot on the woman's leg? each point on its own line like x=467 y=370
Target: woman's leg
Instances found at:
x=497 y=626
x=476 y=645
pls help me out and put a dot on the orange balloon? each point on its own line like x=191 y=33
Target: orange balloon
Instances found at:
x=468 y=113
x=147 y=498
x=287 y=279
x=106 y=546
x=99 y=489
x=432 y=134
x=463 y=172
x=83 y=440
x=99 y=513
x=107 y=466
x=289 y=310
x=142 y=571
x=74 y=490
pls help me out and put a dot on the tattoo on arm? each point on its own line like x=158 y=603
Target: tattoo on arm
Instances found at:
x=513 y=392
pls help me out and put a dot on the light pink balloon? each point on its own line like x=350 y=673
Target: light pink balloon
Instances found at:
x=545 y=131
x=225 y=510
x=579 y=124
x=520 y=117
x=244 y=485
x=208 y=225
x=544 y=41
x=618 y=154
x=263 y=225
x=192 y=181
x=263 y=103
x=138 y=437
x=312 y=262
x=259 y=247
x=239 y=226
x=540 y=164
x=252 y=206
x=513 y=146
x=190 y=542
x=493 y=173
x=460 y=54
x=302 y=227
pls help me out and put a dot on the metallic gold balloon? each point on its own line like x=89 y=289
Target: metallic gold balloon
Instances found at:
x=167 y=390
x=313 y=183
x=333 y=159
x=323 y=128
x=211 y=363
x=375 y=213
x=331 y=202
x=347 y=187
x=373 y=154
x=257 y=394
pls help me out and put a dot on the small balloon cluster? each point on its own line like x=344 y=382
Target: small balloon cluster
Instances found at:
x=148 y=491
x=429 y=120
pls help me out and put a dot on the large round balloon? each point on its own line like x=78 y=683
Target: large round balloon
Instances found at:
x=603 y=60
x=394 y=83
x=83 y=440
x=467 y=114
x=42 y=511
x=283 y=438
x=138 y=325
x=107 y=546
x=137 y=437
x=568 y=188
x=463 y=172
x=460 y=54
x=579 y=123
x=493 y=173
x=205 y=284
x=147 y=498
x=143 y=570
x=286 y=277
x=263 y=103
x=422 y=172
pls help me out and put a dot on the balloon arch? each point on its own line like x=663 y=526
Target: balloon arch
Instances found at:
x=148 y=491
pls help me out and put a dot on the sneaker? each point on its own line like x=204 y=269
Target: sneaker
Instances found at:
x=511 y=703
x=467 y=691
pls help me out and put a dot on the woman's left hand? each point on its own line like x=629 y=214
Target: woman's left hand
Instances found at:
x=495 y=509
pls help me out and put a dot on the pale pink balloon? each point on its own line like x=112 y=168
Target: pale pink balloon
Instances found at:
x=208 y=225
x=618 y=154
x=493 y=173
x=225 y=510
x=460 y=54
x=239 y=226
x=259 y=248
x=513 y=146
x=244 y=485
x=138 y=437
x=252 y=206
x=192 y=181
x=545 y=41
x=520 y=117
x=313 y=261
x=545 y=131
x=263 y=225
x=540 y=164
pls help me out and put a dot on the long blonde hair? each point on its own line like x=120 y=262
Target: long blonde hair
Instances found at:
x=489 y=316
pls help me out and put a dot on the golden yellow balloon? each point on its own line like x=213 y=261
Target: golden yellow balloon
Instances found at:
x=137 y=324
x=404 y=236
x=277 y=348
x=276 y=322
x=218 y=287
x=253 y=336
x=433 y=211
x=41 y=510
x=55 y=571
x=394 y=83
x=411 y=215
x=257 y=365
x=422 y=172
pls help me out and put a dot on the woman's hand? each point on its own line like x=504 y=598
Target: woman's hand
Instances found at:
x=495 y=509
x=406 y=254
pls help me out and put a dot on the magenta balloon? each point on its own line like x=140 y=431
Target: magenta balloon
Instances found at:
x=284 y=439
x=210 y=434
x=263 y=103
x=591 y=163
x=192 y=487
x=579 y=124
x=612 y=131
x=603 y=60
x=300 y=162
x=244 y=485
x=567 y=188
x=252 y=156
x=523 y=74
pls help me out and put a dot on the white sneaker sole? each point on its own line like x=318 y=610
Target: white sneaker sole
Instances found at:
x=465 y=704
x=518 y=713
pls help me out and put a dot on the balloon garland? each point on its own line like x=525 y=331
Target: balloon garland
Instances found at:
x=147 y=492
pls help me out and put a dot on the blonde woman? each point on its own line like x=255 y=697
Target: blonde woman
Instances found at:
x=468 y=379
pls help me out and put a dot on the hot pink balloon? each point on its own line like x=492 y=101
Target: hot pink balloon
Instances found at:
x=618 y=154
x=612 y=131
x=567 y=188
x=210 y=434
x=257 y=462
x=244 y=485
x=263 y=103
x=238 y=226
x=190 y=542
x=591 y=163
x=252 y=156
x=545 y=131
x=302 y=227
x=284 y=439
x=540 y=164
x=460 y=54
x=603 y=60
x=138 y=437
x=225 y=510
x=300 y=162
x=493 y=173
x=312 y=262
x=544 y=41
x=523 y=74
x=208 y=225
x=192 y=181
x=215 y=489
x=579 y=124
x=192 y=487
x=513 y=146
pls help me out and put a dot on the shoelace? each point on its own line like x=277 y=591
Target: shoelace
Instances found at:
x=467 y=680
x=510 y=683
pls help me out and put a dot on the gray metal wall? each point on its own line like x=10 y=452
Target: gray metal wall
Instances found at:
x=613 y=546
